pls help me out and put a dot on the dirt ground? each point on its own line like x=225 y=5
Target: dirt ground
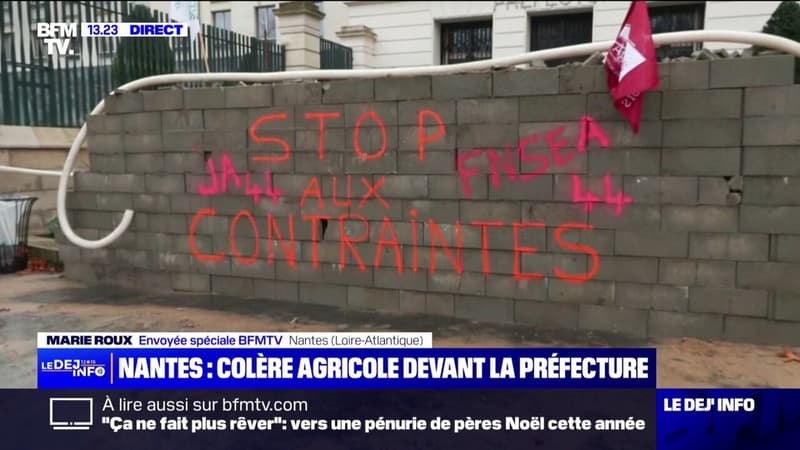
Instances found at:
x=30 y=303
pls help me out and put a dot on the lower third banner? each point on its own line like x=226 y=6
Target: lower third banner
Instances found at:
x=331 y=419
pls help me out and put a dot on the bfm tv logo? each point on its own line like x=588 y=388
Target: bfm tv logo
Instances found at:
x=77 y=367
x=57 y=37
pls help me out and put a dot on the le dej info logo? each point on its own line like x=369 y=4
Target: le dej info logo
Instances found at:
x=75 y=368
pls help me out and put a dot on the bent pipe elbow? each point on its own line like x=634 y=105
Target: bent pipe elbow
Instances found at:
x=61 y=197
x=738 y=37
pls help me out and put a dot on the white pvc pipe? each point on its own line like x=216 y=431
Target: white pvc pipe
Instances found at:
x=40 y=172
x=739 y=37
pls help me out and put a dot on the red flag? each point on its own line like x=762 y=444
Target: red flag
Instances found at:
x=631 y=64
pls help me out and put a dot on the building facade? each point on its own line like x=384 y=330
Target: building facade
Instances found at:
x=257 y=18
x=388 y=34
x=426 y=33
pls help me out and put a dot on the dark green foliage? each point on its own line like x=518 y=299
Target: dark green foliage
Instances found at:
x=785 y=22
x=138 y=57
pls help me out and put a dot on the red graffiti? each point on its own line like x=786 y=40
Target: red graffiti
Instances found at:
x=288 y=249
x=349 y=250
x=357 y=133
x=588 y=198
x=313 y=190
x=437 y=235
x=423 y=138
x=520 y=250
x=219 y=183
x=347 y=241
x=355 y=249
x=287 y=151
x=589 y=130
x=232 y=236
x=578 y=248
x=324 y=118
x=200 y=256
x=398 y=254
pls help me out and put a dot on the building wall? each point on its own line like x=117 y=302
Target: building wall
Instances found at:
x=408 y=32
x=243 y=15
x=720 y=15
x=529 y=202
x=36 y=148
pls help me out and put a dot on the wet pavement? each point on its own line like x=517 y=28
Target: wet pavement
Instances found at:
x=30 y=303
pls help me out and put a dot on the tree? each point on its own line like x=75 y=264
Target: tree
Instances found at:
x=138 y=57
x=785 y=22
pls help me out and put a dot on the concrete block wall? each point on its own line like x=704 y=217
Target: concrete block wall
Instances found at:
x=534 y=203
x=42 y=148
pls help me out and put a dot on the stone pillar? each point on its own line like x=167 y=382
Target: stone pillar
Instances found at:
x=361 y=39
x=298 y=28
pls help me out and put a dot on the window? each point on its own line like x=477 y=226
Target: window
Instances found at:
x=560 y=30
x=664 y=19
x=466 y=41
x=265 y=22
x=222 y=19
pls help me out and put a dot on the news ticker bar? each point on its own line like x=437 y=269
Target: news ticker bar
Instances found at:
x=544 y=419
x=184 y=340
x=344 y=368
x=108 y=29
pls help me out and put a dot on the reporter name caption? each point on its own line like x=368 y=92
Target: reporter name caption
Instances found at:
x=233 y=340
x=340 y=368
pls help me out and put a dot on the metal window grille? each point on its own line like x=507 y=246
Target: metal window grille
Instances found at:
x=466 y=41
x=560 y=30
x=685 y=17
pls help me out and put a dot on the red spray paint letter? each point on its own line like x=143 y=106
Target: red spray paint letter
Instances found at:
x=544 y=162
x=398 y=258
x=349 y=193
x=193 y=231
x=590 y=129
x=588 y=198
x=556 y=145
x=372 y=191
x=229 y=172
x=467 y=173
x=322 y=116
x=313 y=189
x=288 y=250
x=577 y=279
x=232 y=237
x=485 y=242
x=347 y=241
x=619 y=200
x=214 y=188
x=422 y=137
x=269 y=140
x=374 y=116
x=436 y=234
x=521 y=250
x=507 y=164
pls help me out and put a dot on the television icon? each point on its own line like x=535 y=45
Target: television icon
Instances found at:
x=71 y=413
